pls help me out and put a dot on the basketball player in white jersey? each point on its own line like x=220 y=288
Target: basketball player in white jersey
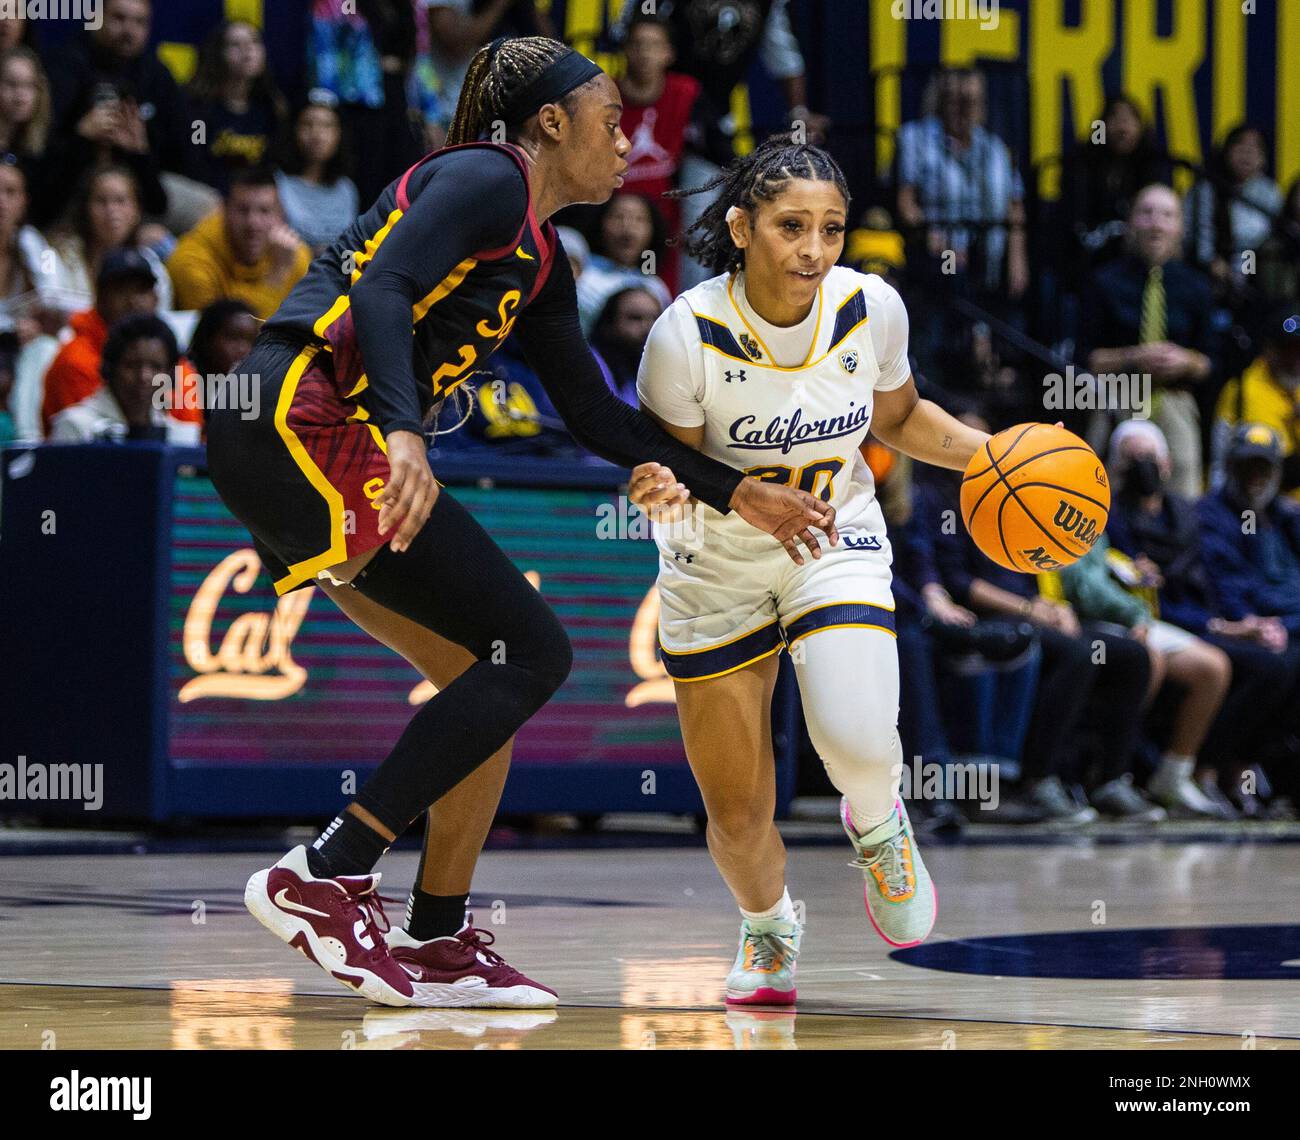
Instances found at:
x=779 y=366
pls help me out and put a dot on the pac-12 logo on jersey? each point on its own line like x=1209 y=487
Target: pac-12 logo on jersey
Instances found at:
x=751 y=346
x=849 y=361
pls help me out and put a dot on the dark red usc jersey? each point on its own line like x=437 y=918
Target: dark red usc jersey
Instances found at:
x=457 y=324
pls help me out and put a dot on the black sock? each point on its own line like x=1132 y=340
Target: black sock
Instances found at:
x=346 y=847
x=434 y=916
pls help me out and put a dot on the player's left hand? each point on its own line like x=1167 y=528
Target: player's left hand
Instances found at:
x=654 y=488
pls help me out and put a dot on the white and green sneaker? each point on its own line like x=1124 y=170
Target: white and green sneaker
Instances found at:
x=899 y=893
x=764 y=969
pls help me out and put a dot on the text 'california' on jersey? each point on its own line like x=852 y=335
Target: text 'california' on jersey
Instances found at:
x=706 y=363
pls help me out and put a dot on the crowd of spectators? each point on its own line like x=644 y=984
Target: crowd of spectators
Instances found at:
x=146 y=227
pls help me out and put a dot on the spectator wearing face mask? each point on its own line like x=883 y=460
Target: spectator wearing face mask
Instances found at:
x=1161 y=532
x=1251 y=539
x=1252 y=536
x=1268 y=392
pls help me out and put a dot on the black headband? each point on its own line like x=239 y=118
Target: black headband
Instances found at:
x=570 y=71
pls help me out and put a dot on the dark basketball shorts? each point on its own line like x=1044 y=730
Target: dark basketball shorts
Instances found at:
x=304 y=474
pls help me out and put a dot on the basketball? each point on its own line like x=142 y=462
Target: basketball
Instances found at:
x=1035 y=498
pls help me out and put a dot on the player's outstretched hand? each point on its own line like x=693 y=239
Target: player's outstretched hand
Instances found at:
x=654 y=488
x=786 y=514
x=411 y=490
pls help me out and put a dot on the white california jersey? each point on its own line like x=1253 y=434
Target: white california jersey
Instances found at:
x=797 y=425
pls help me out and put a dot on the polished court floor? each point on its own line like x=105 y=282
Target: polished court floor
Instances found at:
x=1080 y=944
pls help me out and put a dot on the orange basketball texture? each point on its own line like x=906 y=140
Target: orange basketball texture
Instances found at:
x=1035 y=498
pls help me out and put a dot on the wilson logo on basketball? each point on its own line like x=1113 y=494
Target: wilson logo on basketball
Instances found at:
x=1073 y=521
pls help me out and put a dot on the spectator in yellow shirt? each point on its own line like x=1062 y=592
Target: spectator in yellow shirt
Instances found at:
x=244 y=250
x=1268 y=392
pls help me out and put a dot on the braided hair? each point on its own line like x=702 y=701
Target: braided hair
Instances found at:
x=760 y=176
x=496 y=72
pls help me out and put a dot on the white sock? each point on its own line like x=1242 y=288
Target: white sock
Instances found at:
x=1179 y=767
x=780 y=911
x=865 y=822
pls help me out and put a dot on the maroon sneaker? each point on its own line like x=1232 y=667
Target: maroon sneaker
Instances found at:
x=463 y=970
x=338 y=923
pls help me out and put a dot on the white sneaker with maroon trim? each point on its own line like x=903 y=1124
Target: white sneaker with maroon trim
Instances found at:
x=338 y=923
x=463 y=971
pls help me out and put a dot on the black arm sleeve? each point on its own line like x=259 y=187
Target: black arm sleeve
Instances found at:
x=551 y=338
x=472 y=200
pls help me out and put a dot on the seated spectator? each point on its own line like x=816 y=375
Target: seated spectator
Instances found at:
x=1251 y=536
x=114 y=101
x=1074 y=691
x=628 y=227
x=1149 y=313
x=8 y=358
x=1100 y=178
x=658 y=110
x=1202 y=671
x=1278 y=264
x=244 y=250
x=15 y=30
x=222 y=338
x=952 y=170
x=235 y=98
x=105 y=215
x=1160 y=531
x=988 y=708
x=620 y=335
x=25 y=109
x=31 y=301
x=1268 y=392
x=718 y=45
x=140 y=354
x=318 y=198
x=1233 y=208
x=448 y=33
x=363 y=54
x=125 y=285
x=575 y=247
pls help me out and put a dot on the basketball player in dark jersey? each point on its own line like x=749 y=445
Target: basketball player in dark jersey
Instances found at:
x=333 y=481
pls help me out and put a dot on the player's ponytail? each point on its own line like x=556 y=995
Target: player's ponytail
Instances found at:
x=759 y=176
x=507 y=81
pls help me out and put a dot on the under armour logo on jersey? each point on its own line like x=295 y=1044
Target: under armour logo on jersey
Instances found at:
x=739 y=374
x=751 y=346
x=680 y=557
x=849 y=360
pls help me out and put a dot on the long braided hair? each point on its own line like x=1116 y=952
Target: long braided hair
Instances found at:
x=760 y=176
x=496 y=72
